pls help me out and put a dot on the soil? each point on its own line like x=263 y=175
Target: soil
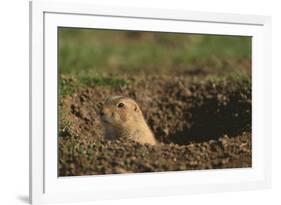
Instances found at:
x=200 y=124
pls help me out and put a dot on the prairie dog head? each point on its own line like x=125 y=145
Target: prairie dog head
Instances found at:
x=122 y=118
x=119 y=111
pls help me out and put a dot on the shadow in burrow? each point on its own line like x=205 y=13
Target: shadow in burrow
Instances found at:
x=209 y=121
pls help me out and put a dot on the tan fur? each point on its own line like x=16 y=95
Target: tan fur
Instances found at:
x=125 y=120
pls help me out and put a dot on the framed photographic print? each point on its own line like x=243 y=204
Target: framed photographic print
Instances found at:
x=130 y=102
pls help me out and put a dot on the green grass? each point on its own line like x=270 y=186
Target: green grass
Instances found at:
x=103 y=81
x=95 y=57
x=69 y=85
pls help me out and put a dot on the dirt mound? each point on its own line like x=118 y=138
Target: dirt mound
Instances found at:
x=200 y=124
x=87 y=157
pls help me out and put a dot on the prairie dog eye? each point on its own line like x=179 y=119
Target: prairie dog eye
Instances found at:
x=120 y=105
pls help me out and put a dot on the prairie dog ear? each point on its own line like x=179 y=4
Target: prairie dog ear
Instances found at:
x=136 y=107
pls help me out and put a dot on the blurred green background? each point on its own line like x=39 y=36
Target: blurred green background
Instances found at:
x=90 y=56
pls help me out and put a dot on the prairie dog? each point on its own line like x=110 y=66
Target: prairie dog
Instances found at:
x=122 y=118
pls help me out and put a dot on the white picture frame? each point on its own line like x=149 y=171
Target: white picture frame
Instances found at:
x=46 y=186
